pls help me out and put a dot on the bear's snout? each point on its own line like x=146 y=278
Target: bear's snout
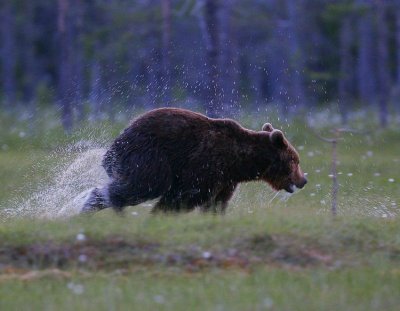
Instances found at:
x=302 y=183
x=299 y=178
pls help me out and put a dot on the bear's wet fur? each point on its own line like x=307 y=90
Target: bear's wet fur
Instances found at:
x=189 y=160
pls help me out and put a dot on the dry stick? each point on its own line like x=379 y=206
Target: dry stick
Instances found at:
x=334 y=141
x=335 y=185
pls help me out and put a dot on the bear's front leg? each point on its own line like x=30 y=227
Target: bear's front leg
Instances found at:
x=219 y=204
x=217 y=208
x=171 y=203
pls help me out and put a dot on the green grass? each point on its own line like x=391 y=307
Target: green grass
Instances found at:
x=266 y=289
x=263 y=254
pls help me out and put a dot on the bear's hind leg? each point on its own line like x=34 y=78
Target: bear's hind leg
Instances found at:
x=122 y=195
x=117 y=196
x=97 y=200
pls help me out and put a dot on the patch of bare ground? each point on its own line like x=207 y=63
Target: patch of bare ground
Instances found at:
x=120 y=253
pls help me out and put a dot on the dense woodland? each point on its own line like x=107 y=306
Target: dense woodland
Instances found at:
x=93 y=58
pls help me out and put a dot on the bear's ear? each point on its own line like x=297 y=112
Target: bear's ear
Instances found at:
x=277 y=138
x=267 y=127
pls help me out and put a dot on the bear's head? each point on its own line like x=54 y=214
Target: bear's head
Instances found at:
x=284 y=170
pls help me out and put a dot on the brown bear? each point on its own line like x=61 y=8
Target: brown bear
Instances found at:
x=190 y=160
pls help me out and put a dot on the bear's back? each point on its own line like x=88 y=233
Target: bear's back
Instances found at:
x=177 y=133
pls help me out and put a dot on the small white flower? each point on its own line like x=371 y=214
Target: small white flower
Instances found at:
x=312 y=194
x=391 y=180
x=330 y=176
x=134 y=213
x=206 y=255
x=350 y=174
x=77 y=289
x=318 y=171
x=384 y=215
x=159 y=299
x=80 y=237
x=22 y=134
x=377 y=174
x=323 y=202
x=82 y=258
x=268 y=303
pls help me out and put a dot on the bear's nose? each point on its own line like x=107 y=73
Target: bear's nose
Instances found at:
x=302 y=183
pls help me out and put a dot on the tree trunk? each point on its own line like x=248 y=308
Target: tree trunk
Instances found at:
x=8 y=53
x=345 y=68
x=279 y=64
x=65 y=73
x=229 y=60
x=383 y=63
x=296 y=56
x=30 y=72
x=78 y=63
x=213 y=107
x=397 y=98
x=95 y=90
x=166 y=52
x=365 y=67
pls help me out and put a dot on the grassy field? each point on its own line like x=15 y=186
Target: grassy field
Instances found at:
x=266 y=253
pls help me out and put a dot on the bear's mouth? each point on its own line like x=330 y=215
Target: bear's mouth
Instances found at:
x=291 y=188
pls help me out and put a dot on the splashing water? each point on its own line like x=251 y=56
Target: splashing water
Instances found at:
x=70 y=184
x=273 y=198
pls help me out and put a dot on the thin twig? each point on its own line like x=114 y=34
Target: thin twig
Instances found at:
x=334 y=142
